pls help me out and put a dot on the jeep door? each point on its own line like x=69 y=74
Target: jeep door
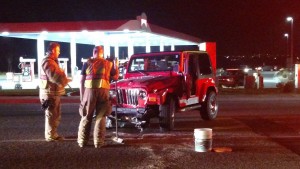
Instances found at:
x=198 y=70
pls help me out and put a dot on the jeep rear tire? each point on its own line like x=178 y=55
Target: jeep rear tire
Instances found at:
x=167 y=115
x=209 y=109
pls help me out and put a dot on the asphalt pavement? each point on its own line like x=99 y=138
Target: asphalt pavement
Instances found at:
x=257 y=131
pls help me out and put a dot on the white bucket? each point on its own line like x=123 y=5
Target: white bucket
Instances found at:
x=203 y=139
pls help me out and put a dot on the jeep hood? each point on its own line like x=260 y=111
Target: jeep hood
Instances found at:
x=148 y=82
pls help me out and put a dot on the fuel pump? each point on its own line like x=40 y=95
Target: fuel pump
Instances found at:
x=27 y=68
x=63 y=64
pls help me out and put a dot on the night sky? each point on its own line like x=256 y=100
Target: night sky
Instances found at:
x=239 y=27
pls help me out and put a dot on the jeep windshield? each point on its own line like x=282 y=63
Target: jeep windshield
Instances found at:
x=154 y=63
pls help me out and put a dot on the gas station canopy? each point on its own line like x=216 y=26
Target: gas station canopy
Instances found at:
x=120 y=33
x=113 y=33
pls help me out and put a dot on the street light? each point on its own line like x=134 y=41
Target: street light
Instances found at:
x=290 y=19
x=287 y=47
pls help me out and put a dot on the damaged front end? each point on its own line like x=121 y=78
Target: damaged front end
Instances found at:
x=130 y=106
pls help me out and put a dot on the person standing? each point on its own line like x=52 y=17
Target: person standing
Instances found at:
x=94 y=95
x=52 y=85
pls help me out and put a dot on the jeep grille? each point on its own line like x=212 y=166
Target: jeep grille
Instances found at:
x=128 y=96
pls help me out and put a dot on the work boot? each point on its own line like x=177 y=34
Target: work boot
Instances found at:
x=81 y=144
x=58 y=138
x=100 y=145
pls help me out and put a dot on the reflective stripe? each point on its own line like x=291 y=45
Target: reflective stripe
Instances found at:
x=43 y=80
x=99 y=83
x=98 y=76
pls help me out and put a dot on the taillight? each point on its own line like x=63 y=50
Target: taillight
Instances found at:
x=230 y=79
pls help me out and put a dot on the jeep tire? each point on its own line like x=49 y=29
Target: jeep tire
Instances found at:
x=167 y=115
x=209 y=109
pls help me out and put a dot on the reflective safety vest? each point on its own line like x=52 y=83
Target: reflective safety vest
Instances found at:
x=98 y=73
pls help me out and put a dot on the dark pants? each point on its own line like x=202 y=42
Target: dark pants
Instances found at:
x=94 y=100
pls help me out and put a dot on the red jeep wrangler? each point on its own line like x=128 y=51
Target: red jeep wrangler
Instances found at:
x=165 y=83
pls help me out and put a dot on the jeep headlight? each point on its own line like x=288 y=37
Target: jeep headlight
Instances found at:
x=112 y=94
x=142 y=94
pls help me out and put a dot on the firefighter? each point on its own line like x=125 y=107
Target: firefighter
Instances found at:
x=52 y=85
x=94 y=95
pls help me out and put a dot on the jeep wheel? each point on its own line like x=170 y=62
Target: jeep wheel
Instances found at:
x=209 y=109
x=167 y=115
x=146 y=121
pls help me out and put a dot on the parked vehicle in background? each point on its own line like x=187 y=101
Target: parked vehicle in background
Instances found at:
x=122 y=67
x=231 y=78
x=285 y=79
x=160 y=85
